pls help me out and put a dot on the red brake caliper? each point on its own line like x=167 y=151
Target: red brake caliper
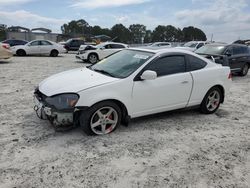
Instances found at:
x=110 y=117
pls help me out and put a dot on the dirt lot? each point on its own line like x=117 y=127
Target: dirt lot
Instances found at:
x=176 y=149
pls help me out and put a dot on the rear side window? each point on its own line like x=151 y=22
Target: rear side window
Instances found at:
x=75 y=43
x=244 y=50
x=168 y=65
x=196 y=63
x=35 y=43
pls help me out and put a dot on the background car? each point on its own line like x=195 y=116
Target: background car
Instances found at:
x=15 y=42
x=238 y=55
x=160 y=45
x=38 y=47
x=73 y=44
x=129 y=84
x=193 y=45
x=5 y=52
x=93 y=54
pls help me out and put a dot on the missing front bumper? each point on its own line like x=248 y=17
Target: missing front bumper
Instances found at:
x=58 y=119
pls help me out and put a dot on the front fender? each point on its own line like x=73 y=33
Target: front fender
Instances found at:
x=120 y=91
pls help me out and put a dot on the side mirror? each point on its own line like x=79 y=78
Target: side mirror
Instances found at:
x=149 y=75
x=228 y=54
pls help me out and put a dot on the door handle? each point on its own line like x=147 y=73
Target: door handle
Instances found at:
x=184 y=82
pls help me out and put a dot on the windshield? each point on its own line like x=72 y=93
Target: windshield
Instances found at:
x=123 y=63
x=216 y=50
x=191 y=44
x=68 y=41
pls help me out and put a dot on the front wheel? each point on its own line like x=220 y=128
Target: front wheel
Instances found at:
x=54 y=53
x=21 y=53
x=92 y=58
x=244 y=70
x=211 y=101
x=101 y=119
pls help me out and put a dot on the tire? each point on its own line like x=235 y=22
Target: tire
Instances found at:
x=211 y=101
x=92 y=58
x=244 y=70
x=21 y=53
x=54 y=53
x=101 y=119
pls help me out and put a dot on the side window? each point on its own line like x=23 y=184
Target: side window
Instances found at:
x=107 y=46
x=164 y=44
x=45 y=43
x=200 y=45
x=35 y=43
x=168 y=65
x=117 y=46
x=244 y=50
x=74 y=43
x=196 y=63
x=237 y=50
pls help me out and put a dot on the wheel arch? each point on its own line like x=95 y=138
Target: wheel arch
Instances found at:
x=54 y=49
x=121 y=105
x=21 y=49
x=221 y=88
x=94 y=54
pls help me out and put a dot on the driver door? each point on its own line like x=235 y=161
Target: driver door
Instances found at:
x=33 y=47
x=170 y=90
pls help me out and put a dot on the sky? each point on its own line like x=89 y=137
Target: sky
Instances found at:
x=226 y=20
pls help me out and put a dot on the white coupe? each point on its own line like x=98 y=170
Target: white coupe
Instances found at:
x=39 y=47
x=193 y=45
x=93 y=54
x=130 y=84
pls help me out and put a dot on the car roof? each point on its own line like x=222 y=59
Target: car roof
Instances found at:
x=16 y=39
x=114 y=43
x=196 y=41
x=226 y=45
x=158 y=52
x=164 y=50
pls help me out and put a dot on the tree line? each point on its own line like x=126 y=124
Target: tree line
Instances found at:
x=135 y=33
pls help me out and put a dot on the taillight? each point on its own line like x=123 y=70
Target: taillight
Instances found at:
x=230 y=76
x=6 y=46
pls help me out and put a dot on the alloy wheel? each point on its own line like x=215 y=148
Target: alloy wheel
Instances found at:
x=92 y=59
x=104 y=120
x=213 y=100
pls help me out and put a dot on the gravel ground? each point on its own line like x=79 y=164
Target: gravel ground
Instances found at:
x=176 y=149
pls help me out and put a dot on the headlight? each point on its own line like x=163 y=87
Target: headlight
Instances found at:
x=63 y=101
x=82 y=52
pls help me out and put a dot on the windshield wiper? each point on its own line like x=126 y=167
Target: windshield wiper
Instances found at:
x=103 y=72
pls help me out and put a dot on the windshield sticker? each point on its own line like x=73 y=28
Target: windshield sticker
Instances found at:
x=139 y=56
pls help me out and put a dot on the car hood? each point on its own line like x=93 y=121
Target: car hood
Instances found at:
x=186 y=48
x=73 y=81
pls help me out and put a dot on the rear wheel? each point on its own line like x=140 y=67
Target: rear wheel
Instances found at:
x=21 y=53
x=54 y=53
x=101 y=119
x=93 y=58
x=244 y=70
x=211 y=101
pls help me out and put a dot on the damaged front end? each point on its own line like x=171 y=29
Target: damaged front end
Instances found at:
x=58 y=109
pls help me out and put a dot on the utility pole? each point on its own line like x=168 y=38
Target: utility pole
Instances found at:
x=212 y=37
